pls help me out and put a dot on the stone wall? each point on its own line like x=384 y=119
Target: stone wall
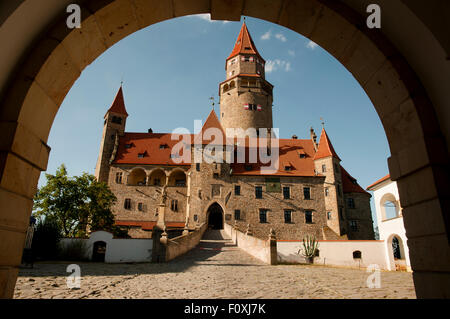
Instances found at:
x=182 y=244
x=361 y=214
x=264 y=250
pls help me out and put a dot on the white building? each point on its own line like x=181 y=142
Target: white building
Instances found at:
x=390 y=223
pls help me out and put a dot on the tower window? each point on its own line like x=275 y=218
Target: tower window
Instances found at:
x=286 y=192
x=350 y=202
x=141 y=207
x=116 y=120
x=307 y=193
x=127 y=203
x=287 y=216
x=237 y=214
x=324 y=168
x=174 y=205
x=329 y=215
x=258 y=191
x=197 y=167
x=308 y=217
x=263 y=215
x=354 y=225
x=119 y=178
x=237 y=189
x=327 y=191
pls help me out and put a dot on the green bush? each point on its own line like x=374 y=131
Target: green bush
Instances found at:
x=46 y=238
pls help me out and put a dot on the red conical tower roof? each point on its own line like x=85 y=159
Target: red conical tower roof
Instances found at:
x=325 y=147
x=118 y=106
x=244 y=44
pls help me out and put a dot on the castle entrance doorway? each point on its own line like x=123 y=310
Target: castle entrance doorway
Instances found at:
x=215 y=216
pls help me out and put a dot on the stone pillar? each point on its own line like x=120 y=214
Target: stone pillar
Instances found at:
x=272 y=242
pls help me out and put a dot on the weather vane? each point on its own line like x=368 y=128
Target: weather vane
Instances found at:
x=323 y=123
x=212 y=101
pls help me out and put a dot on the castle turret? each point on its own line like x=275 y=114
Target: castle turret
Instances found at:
x=113 y=127
x=245 y=95
x=327 y=163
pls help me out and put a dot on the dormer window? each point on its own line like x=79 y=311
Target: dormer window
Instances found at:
x=163 y=146
x=288 y=168
x=142 y=154
x=129 y=145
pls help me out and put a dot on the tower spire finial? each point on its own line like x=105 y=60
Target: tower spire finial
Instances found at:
x=323 y=122
x=212 y=101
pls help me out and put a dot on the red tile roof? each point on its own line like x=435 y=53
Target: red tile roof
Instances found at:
x=118 y=106
x=349 y=184
x=244 y=44
x=149 y=143
x=325 y=147
x=388 y=176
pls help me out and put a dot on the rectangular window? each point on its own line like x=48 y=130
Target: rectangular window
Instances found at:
x=307 y=192
x=119 y=178
x=350 y=202
x=308 y=217
x=286 y=192
x=195 y=218
x=329 y=215
x=258 y=191
x=263 y=215
x=197 y=167
x=127 y=204
x=140 y=207
x=237 y=214
x=287 y=216
x=354 y=225
x=324 y=168
x=237 y=190
x=326 y=191
x=174 y=205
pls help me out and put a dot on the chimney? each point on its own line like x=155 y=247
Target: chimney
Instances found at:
x=294 y=137
x=150 y=130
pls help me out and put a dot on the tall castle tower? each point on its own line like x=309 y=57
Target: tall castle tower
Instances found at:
x=245 y=95
x=113 y=127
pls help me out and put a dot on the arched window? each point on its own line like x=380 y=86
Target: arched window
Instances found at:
x=177 y=178
x=157 y=178
x=225 y=88
x=137 y=177
x=389 y=206
x=357 y=254
x=396 y=248
x=232 y=85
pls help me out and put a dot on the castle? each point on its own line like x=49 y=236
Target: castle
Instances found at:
x=308 y=191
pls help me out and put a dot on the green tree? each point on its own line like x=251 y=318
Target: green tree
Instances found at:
x=76 y=203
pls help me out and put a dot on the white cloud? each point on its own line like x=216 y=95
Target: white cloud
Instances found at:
x=311 y=45
x=277 y=64
x=267 y=35
x=207 y=17
x=291 y=52
x=280 y=37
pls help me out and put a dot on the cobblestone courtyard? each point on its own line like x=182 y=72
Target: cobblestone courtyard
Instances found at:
x=214 y=269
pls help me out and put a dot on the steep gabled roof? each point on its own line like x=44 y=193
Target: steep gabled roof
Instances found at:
x=349 y=184
x=244 y=44
x=118 y=106
x=325 y=147
x=212 y=122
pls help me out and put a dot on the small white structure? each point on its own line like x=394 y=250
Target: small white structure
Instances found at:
x=101 y=246
x=390 y=223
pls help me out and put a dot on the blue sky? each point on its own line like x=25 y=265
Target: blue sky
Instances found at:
x=171 y=69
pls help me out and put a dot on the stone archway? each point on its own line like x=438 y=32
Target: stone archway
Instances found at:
x=215 y=216
x=409 y=92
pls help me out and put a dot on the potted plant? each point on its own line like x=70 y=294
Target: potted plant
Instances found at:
x=310 y=245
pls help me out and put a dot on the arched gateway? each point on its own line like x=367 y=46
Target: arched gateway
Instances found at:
x=215 y=216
